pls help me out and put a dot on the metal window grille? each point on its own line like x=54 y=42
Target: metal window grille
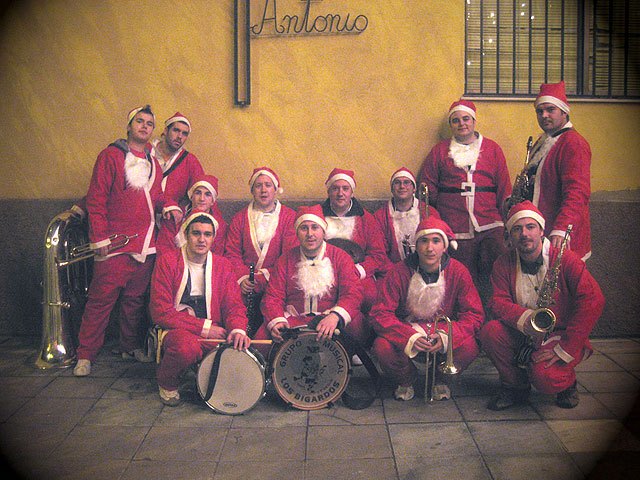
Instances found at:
x=512 y=46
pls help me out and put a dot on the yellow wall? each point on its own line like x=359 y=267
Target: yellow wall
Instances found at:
x=71 y=69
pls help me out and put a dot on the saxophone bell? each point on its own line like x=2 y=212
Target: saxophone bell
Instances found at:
x=543 y=320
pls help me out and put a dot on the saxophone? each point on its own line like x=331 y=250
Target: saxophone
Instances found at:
x=543 y=320
x=522 y=185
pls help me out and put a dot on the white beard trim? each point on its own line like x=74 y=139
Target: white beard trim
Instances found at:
x=424 y=300
x=315 y=277
x=464 y=156
x=340 y=227
x=137 y=171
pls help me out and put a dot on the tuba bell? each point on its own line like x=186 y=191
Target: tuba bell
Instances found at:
x=65 y=291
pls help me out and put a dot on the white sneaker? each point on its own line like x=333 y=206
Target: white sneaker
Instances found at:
x=355 y=361
x=82 y=368
x=404 y=393
x=441 y=392
x=170 y=398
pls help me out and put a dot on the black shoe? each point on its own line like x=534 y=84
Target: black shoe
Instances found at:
x=568 y=398
x=508 y=397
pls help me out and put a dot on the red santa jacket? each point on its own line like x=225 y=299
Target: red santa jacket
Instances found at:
x=180 y=172
x=284 y=297
x=484 y=189
x=391 y=318
x=168 y=283
x=116 y=207
x=578 y=302
x=242 y=248
x=562 y=189
x=366 y=233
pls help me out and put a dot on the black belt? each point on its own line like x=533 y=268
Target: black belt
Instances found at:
x=468 y=189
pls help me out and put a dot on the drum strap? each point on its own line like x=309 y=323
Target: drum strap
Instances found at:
x=215 y=368
x=364 y=398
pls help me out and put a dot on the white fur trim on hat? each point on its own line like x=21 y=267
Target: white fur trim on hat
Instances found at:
x=428 y=231
x=524 y=214
x=462 y=108
x=178 y=118
x=269 y=174
x=205 y=184
x=311 y=218
x=552 y=100
x=403 y=173
x=341 y=176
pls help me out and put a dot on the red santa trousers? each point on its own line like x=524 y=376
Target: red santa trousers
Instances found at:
x=501 y=343
x=401 y=369
x=180 y=350
x=119 y=277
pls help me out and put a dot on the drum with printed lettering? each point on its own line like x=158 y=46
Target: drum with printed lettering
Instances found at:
x=309 y=374
x=231 y=381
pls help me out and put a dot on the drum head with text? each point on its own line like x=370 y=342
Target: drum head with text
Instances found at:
x=240 y=381
x=310 y=374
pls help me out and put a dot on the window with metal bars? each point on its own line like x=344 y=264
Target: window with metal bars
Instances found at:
x=512 y=46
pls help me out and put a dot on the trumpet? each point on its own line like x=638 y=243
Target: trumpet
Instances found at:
x=423 y=197
x=84 y=252
x=447 y=367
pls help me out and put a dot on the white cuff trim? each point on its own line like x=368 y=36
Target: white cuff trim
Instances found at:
x=205 y=328
x=343 y=313
x=524 y=318
x=274 y=321
x=361 y=271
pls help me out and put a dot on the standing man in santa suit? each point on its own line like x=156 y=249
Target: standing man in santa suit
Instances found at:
x=313 y=279
x=194 y=295
x=400 y=217
x=559 y=172
x=519 y=279
x=123 y=198
x=347 y=220
x=426 y=284
x=258 y=235
x=468 y=182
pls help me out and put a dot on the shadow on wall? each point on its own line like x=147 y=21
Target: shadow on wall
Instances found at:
x=615 y=262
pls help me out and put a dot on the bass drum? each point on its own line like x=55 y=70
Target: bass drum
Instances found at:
x=231 y=381
x=310 y=374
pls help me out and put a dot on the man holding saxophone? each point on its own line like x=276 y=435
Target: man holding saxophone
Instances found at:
x=543 y=293
x=427 y=285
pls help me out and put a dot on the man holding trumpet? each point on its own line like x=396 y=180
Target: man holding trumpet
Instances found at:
x=427 y=285
x=520 y=283
x=194 y=296
x=123 y=197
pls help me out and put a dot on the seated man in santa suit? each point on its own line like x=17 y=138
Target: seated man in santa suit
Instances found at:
x=523 y=282
x=427 y=284
x=352 y=227
x=258 y=235
x=202 y=195
x=312 y=279
x=399 y=218
x=194 y=295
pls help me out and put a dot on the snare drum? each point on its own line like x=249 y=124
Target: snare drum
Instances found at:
x=238 y=378
x=310 y=374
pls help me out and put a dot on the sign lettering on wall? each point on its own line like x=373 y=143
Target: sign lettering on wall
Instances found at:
x=275 y=23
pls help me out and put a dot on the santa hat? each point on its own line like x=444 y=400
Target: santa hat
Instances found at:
x=208 y=181
x=403 y=172
x=524 y=209
x=192 y=216
x=431 y=225
x=177 y=117
x=269 y=173
x=553 y=93
x=311 y=214
x=463 y=106
x=340 y=174
x=135 y=111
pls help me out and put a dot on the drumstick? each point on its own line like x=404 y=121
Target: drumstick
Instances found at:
x=223 y=340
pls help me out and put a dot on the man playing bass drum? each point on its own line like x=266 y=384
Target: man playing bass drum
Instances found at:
x=517 y=279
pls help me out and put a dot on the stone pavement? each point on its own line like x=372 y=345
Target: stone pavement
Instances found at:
x=112 y=425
